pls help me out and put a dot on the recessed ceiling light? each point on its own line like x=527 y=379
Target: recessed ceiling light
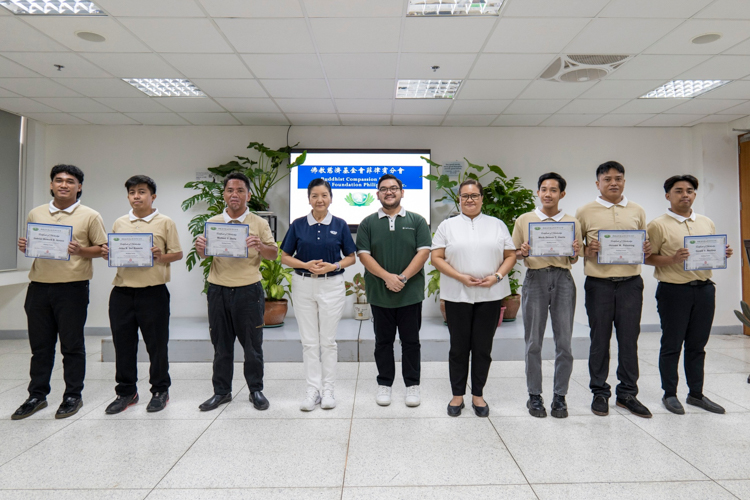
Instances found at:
x=90 y=36
x=427 y=89
x=707 y=38
x=684 y=88
x=165 y=87
x=52 y=7
x=454 y=7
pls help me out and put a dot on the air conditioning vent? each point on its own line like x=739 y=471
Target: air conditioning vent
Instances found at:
x=583 y=67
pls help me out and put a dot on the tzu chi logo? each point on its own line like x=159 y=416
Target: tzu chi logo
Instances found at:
x=35 y=229
x=359 y=199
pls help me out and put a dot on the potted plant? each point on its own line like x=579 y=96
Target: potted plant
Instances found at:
x=273 y=278
x=357 y=287
x=433 y=288
x=445 y=184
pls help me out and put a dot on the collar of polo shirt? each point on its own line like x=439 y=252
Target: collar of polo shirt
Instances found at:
x=326 y=221
x=469 y=219
x=623 y=203
x=401 y=213
x=148 y=218
x=543 y=216
x=53 y=209
x=680 y=218
x=228 y=219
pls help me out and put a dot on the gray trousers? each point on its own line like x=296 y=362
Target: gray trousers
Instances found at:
x=549 y=289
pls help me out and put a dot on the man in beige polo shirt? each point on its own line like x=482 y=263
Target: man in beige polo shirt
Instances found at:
x=235 y=298
x=58 y=296
x=685 y=299
x=614 y=292
x=140 y=300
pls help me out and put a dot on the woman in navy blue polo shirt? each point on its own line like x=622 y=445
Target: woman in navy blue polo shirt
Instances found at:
x=314 y=246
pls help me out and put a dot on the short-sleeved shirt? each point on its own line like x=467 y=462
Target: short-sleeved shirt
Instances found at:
x=475 y=247
x=308 y=239
x=393 y=242
x=521 y=236
x=165 y=237
x=667 y=235
x=234 y=272
x=603 y=215
x=88 y=231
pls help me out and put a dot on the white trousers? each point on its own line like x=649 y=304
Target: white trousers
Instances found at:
x=318 y=306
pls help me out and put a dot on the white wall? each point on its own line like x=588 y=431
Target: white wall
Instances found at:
x=172 y=155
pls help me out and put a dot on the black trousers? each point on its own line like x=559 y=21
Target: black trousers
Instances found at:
x=618 y=302
x=407 y=320
x=236 y=313
x=472 y=329
x=148 y=309
x=686 y=313
x=54 y=309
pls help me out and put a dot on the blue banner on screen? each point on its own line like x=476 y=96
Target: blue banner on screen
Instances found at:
x=354 y=177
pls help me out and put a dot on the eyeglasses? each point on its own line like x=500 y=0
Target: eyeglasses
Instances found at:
x=392 y=189
x=472 y=197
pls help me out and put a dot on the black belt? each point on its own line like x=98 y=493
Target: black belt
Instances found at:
x=615 y=279
x=694 y=283
x=311 y=275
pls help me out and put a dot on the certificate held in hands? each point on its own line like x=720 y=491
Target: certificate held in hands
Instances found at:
x=226 y=240
x=130 y=249
x=552 y=239
x=48 y=241
x=706 y=252
x=621 y=247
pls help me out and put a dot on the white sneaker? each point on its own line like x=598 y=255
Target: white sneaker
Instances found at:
x=383 y=397
x=328 y=402
x=312 y=398
x=412 y=396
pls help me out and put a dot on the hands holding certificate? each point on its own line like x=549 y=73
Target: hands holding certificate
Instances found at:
x=131 y=250
x=551 y=239
x=48 y=241
x=619 y=247
x=226 y=240
x=704 y=252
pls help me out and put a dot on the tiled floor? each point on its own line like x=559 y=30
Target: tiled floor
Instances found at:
x=363 y=451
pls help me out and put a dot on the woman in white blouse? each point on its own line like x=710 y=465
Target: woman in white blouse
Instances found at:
x=474 y=253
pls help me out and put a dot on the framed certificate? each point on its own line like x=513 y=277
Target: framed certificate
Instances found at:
x=130 y=249
x=552 y=239
x=226 y=240
x=706 y=252
x=48 y=241
x=621 y=247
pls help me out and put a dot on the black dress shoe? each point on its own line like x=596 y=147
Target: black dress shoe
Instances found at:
x=455 y=411
x=705 y=403
x=28 y=408
x=629 y=402
x=535 y=404
x=559 y=409
x=69 y=407
x=158 y=402
x=481 y=411
x=121 y=403
x=259 y=400
x=215 y=401
x=672 y=404
x=600 y=406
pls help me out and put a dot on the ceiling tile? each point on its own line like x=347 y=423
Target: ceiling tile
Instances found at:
x=321 y=106
x=357 y=35
x=726 y=9
x=209 y=65
x=615 y=36
x=9 y=69
x=519 y=120
x=679 y=9
x=535 y=106
x=230 y=88
x=415 y=120
x=364 y=65
x=678 y=41
x=560 y=120
x=133 y=104
x=15 y=35
x=23 y=105
x=542 y=89
x=246 y=105
x=491 y=89
x=468 y=120
x=554 y=8
x=621 y=89
x=284 y=65
x=705 y=106
x=360 y=106
x=742 y=109
x=511 y=66
x=210 y=118
x=536 y=36
x=365 y=120
x=451 y=66
x=133 y=65
x=268 y=36
x=297 y=88
x=362 y=89
x=261 y=118
x=479 y=107
x=467 y=34
x=422 y=106
x=719 y=68
x=158 y=118
x=644 y=67
x=44 y=64
x=645 y=106
x=621 y=120
x=592 y=106
x=36 y=87
x=717 y=119
x=355 y=8
x=733 y=90
x=740 y=49
x=63 y=29
x=177 y=35
x=106 y=118
x=74 y=104
x=101 y=87
x=151 y=8
x=189 y=104
x=669 y=120
x=252 y=8
x=7 y=93
x=313 y=119
x=55 y=118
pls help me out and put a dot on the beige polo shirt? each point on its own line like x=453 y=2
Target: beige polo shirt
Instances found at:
x=602 y=215
x=667 y=235
x=231 y=272
x=88 y=231
x=521 y=236
x=165 y=237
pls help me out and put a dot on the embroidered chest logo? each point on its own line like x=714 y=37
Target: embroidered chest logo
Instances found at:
x=334 y=232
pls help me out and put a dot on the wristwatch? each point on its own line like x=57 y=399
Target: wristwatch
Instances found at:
x=499 y=277
x=402 y=278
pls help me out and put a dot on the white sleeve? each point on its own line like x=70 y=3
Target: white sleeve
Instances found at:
x=507 y=239
x=440 y=239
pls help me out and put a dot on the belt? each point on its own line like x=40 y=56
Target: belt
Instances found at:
x=694 y=283
x=616 y=279
x=311 y=275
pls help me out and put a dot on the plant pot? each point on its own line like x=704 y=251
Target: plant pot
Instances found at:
x=502 y=315
x=442 y=311
x=275 y=312
x=511 y=303
x=361 y=311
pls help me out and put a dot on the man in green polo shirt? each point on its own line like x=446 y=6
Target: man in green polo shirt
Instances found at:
x=394 y=245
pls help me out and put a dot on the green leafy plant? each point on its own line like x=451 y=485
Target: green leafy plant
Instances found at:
x=744 y=315
x=447 y=185
x=356 y=287
x=276 y=279
x=433 y=283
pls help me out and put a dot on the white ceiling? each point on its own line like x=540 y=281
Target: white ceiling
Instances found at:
x=319 y=62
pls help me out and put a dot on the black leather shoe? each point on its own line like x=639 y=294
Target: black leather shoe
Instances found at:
x=259 y=400
x=672 y=404
x=635 y=407
x=705 y=403
x=215 y=401
x=535 y=404
x=481 y=411
x=121 y=403
x=69 y=407
x=28 y=408
x=559 y=409
x=455 y=411
x=600 y=406
x=158 y=402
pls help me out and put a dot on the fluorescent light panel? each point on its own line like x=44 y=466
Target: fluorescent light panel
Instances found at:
x=454 y=7
x=165 y=87
x=53 y=7
x=427 y=89
x=684 y=88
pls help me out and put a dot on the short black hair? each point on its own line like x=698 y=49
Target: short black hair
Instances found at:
x=471 y=182
x=554 y=176
x=141 y=179
x=237 y=175
x=318 y=182
x=68 y=169
x=607 y=166
x=669 y=183
x=389 y=176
